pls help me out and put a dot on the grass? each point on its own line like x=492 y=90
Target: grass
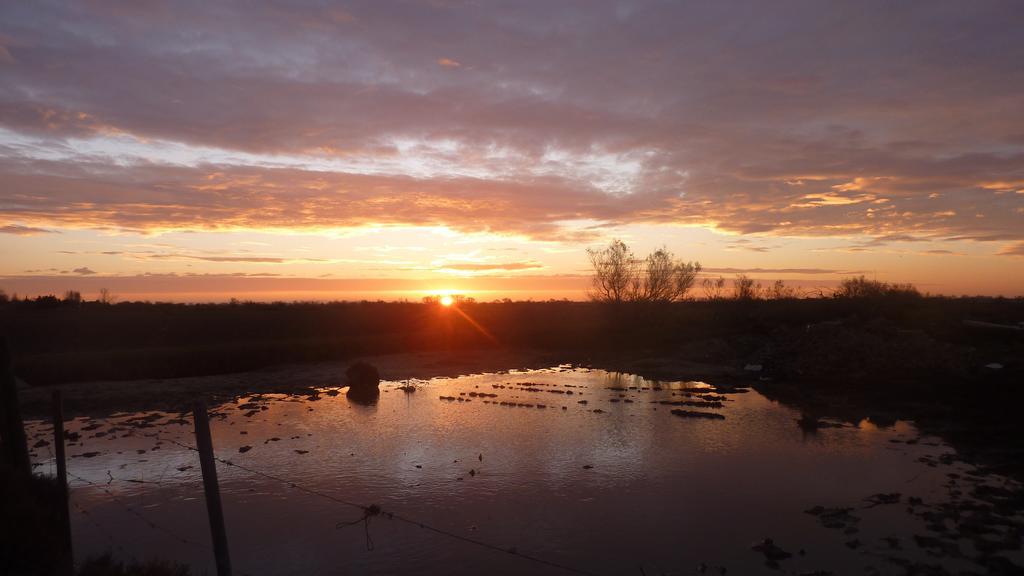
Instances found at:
x=56 y=342
x=29 y=525
x=107 y=565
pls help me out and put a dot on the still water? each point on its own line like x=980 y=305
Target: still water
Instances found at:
x=582 y=468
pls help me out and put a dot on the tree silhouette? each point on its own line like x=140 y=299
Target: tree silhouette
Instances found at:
x=744 y=288
x=619 y=276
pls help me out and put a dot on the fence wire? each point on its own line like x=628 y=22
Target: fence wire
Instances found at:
x=134 y=512
x=374 y=510
x=368 y=512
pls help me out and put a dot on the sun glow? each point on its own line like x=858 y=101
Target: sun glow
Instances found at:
x=447 y=300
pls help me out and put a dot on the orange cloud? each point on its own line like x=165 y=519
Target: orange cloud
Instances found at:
x=1015 y=249
x=19 y=230
x=492 y=267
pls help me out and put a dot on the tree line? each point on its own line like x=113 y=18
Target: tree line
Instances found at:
x=619 y=276
x=70 y=298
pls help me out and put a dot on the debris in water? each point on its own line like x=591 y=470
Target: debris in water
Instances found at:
x=836 y=518
x=880 y=499
x=697 y=414
x=772 y=553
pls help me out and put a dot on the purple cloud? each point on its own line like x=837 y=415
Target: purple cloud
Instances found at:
x=794 y=118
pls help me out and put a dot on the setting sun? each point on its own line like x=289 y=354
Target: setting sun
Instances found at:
x=383 y=259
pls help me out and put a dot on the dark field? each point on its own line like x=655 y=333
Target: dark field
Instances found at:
x=809 y=339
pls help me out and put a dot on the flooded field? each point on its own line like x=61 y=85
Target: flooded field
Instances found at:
x=544 y=472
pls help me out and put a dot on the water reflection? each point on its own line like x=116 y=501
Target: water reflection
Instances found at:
x=582 y=467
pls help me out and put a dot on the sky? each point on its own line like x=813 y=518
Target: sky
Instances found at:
x=373 y=149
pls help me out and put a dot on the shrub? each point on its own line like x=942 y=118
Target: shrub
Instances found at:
x=744 y=288
x=861 y=287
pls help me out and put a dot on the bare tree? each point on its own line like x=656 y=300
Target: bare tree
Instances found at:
x=614 y=272
x=106 y=297
x=779 y=291
x=744 y=288
x=685 y=277
x=619 y=276
x=713 y=287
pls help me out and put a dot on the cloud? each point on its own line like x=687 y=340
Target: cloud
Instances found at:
x=246 y=259
x=1015 y=249
x=824 y=120
x=84 y=271
x=811 y=271
x=162 y=198
x=181 y=256
x=18 y=230
x=491 y=267
x=748 y=245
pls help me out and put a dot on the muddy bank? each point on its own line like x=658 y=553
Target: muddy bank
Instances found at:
x=966 y=391
x=177 y=394
x=969 y=392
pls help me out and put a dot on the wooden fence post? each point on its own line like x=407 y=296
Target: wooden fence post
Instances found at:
x=213 y=506
x=65 y=565
x=12 y=430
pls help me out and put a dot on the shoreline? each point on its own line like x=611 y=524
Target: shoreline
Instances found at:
x=176 y=394
x=975 y=416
